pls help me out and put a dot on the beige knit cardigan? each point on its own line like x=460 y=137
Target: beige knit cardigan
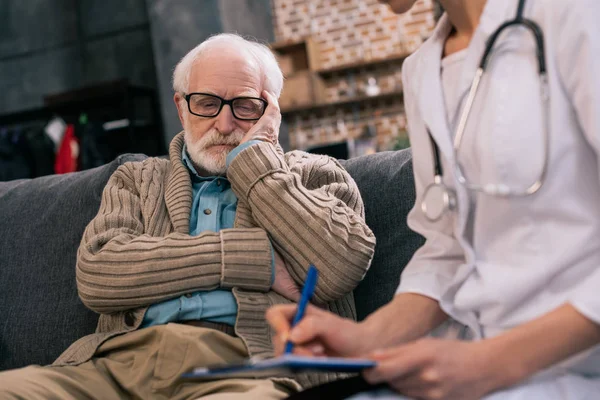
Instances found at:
x=137 y=251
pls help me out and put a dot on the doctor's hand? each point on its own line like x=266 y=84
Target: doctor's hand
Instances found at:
x=267 y=127
x=319 y=333
x=431 y=369
x=284 y=284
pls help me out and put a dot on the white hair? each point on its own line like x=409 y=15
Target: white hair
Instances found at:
x=272 y=76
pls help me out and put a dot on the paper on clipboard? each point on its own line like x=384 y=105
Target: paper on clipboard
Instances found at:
x=279 y=366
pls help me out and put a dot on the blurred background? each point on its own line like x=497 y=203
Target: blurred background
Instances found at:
x=82 y=81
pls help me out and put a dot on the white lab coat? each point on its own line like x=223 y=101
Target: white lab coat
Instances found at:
x=525 y=256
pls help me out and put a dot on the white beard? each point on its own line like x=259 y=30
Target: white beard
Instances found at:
x=211 y=161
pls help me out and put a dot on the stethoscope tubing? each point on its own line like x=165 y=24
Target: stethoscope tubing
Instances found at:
x=449 y=197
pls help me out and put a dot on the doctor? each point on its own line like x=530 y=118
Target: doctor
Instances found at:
x=506 y=161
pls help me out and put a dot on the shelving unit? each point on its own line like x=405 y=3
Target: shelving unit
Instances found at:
x=361 y=64
x=306 y=105
x=301 y=57
x=341 y=103
x=303 y=53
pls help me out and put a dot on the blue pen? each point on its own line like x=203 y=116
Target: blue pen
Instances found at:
x=307 y=293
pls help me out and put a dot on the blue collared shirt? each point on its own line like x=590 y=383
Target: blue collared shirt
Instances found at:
x=213 y=208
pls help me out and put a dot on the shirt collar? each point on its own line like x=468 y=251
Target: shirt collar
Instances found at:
x=185 y=158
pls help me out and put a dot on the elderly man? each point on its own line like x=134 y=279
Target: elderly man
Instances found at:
x=185 y=255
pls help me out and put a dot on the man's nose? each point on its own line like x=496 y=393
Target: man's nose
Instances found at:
x=225 y=120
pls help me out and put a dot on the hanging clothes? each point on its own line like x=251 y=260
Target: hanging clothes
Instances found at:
x=68 y=152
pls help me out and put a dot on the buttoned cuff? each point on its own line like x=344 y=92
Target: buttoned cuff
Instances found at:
x=272 y=264
x=247 y=259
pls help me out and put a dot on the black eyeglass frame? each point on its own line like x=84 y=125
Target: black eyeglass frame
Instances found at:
x=223 y=103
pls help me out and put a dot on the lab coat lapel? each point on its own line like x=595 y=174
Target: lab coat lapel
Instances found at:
x=495 y=13
x=429 y=89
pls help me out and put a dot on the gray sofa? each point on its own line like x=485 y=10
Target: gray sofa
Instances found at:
x=42 y=220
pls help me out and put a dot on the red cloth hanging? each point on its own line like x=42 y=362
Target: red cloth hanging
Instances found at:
x=68 y=152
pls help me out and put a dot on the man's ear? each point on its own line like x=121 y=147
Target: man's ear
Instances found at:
x=180 y=103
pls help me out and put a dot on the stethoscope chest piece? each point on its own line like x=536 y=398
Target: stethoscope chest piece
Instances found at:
x=437 y=200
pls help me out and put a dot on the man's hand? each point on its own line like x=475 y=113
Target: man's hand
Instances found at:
x=284 y=284
x=267 y=127
x=435 y=369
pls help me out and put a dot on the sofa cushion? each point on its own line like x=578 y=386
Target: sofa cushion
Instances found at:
x=41 y=224
x=42 y=221
x=386 y=183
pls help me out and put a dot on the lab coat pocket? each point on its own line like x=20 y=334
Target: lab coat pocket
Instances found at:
x=512 y=123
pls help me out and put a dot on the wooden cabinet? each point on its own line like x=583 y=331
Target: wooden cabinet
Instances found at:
x=302 y=85
x=303 y=89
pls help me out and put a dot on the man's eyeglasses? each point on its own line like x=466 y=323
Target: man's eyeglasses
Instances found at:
x=209 y=105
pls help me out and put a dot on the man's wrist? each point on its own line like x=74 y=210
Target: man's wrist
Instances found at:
x=237 y=150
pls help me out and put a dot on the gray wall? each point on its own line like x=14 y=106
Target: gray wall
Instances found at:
x=179 y=25
x=48 y=47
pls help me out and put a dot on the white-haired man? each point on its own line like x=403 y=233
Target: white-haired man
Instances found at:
x=186 y=254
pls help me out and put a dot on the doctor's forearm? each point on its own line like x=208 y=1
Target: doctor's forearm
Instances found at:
x=539 y=344
x=407 y=317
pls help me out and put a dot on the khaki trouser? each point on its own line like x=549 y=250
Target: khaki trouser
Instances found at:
x=146 y=364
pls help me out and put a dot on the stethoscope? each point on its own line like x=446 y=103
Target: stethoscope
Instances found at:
x=438 y=198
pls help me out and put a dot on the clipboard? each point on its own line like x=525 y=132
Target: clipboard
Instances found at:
x=284 y=365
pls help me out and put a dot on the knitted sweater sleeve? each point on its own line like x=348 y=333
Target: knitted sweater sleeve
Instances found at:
x=312 y=211
x=123 y=261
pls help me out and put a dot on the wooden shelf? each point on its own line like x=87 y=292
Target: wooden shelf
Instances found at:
x=340 y=103
x=303 y=53
x=361 y=64
x=285 y=45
